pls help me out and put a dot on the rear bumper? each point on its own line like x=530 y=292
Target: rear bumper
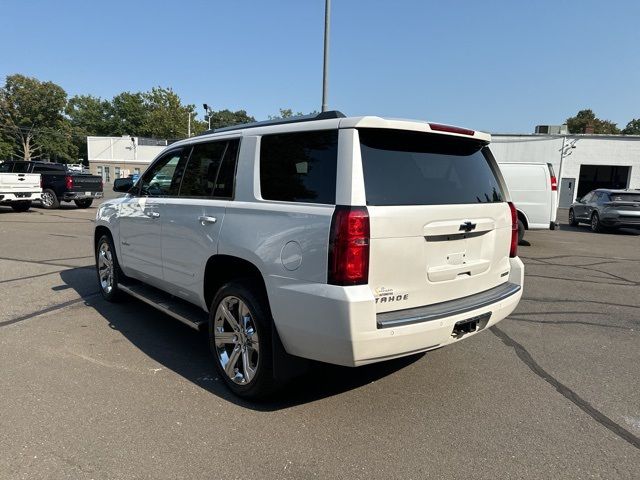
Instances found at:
x=621 y=221
x=340 y=325
x=68 y=196
x=7 y=197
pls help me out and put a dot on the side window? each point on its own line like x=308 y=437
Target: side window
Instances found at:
x=299 y=167
x=158 y=180
x=588 y=197
x=202 y=169
x=5 y=167
x=227 y=173
x=21 y=167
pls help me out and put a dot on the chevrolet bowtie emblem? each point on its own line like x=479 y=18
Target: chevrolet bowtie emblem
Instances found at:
x=467 y=227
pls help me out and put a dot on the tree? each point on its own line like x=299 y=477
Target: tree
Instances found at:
x=31 y=116
x=127 y=114
x=288 y=113
x=587 y=119
x=88 y=115
x=227 y=118
x=633 y=127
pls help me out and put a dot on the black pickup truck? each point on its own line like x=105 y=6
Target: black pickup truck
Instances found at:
x=60 y=185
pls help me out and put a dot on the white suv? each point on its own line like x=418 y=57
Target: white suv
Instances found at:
x=344 y=240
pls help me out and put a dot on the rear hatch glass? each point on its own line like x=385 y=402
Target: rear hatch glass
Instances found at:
x=440 y=225
x=625 y=197
x=431 y=169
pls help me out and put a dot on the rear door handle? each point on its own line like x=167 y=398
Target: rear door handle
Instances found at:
x=205 y=219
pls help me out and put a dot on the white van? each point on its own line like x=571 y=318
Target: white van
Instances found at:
x=534 y=190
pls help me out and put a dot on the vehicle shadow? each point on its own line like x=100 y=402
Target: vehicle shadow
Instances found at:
x=584 y=228
x=186 y=352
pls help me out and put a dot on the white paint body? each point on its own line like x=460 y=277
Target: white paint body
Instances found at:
x=288 y=243
x=529 y=185
x=14 y=185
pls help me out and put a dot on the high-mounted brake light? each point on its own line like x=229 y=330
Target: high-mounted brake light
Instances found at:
x=438 y=127
x=68 y=182
x=554 y=184
x=349 y=246
x=513 y=249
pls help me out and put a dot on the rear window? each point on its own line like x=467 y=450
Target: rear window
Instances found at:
x=299 y=167
x=413 y=168
x=625 y=197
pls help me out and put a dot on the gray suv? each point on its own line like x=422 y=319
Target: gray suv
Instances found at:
x=604 y=208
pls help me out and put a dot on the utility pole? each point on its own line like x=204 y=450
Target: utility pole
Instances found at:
x=325 y=67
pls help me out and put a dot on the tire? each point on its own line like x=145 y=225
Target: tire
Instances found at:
x=21 y=206
x=520 y=230
x=49 y=199
x=596 y=226
x=572 y=218
x=250 y=375
x=84 y=203
x=108 y=269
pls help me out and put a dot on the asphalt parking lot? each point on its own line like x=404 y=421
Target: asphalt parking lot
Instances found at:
x=94 y=390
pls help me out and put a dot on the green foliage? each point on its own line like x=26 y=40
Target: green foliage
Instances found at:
x=227 y=118
x=32 y=119
x=288 y=113
x=586 y=118
x=633 y=127
x=127 y=115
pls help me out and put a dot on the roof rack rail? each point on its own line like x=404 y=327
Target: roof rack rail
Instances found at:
x=280 y=121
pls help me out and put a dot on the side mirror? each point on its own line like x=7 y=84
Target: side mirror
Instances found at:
x=122 y=185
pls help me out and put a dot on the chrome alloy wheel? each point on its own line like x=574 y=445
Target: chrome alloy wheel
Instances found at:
x=236 y=340
x=47 y=199
x=105 y=267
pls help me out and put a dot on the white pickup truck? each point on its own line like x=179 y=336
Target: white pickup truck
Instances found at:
x=18 y=190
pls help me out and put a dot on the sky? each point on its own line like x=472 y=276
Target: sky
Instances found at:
x=499 y=66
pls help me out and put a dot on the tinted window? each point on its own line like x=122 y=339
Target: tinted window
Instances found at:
x=299 y=167
x=5 y=167
x=202 y=169
x=625 y=197
x=413 y=168
x=227 y=172
x=163 y=177
x=21 y=167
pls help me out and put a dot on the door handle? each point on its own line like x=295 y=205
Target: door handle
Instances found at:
x=153 y=214
x=204 y=219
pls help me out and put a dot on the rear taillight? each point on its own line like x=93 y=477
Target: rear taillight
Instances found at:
x=41 y=182
x=513 y=250
x=554 y=184
x=68 y=182
x=349 y=246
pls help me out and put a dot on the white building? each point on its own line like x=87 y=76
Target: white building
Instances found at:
x=116 y=157
x=588 y=161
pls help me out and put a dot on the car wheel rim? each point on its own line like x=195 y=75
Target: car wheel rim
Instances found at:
x=47 y=199
x=235 y=338
x=570 y=216
x=105 y=267
x=594 y=222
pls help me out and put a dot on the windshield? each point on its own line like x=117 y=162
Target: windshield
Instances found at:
x=413 y=168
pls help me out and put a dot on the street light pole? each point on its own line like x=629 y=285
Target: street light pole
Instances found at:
x=325 y=67
x=207 y=110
